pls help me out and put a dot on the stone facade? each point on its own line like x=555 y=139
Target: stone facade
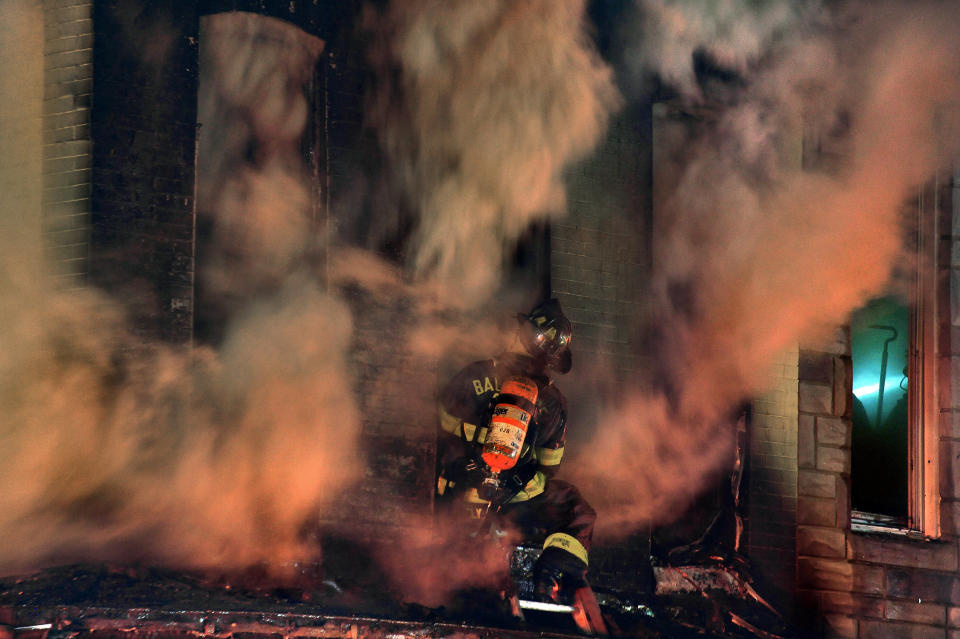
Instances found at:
x=872 y=585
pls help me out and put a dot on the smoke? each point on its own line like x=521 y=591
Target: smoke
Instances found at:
x=216 y=456
x=480 y=109
x=735 y=34
x=116 y=448
x=439 y=558
x=490 y=102
x=757 y=251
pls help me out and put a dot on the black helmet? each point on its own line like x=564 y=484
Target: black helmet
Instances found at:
x=546 y=334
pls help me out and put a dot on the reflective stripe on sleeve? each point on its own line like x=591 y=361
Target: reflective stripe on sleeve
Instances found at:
x=569 y=543
x=449 y=423
x=549 y=456
x=459 y=428
x=533 y=488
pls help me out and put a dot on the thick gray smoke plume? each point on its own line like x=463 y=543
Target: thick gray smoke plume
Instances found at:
x=117 y=449
x=756 y=252
x=482 y=107
x=492 y=101
x=216 y=457
x=736 y=34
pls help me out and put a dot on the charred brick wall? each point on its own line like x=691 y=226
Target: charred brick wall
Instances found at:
x=394 y=387
x=67 y=161
x=143 y=122
x=880 y=585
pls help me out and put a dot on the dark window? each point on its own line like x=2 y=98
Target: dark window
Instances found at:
x=879 y=335
x=894 y=471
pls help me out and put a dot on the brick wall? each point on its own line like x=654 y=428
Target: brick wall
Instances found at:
x=599 y=261
x=394 y=387
x=600 y=252
x=143 y=122
x=67 y=162
x=771 y=486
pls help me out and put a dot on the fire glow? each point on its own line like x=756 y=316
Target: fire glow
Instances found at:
x=216 y=457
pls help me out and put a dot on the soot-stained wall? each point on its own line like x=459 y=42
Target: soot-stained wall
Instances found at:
x=143 y=124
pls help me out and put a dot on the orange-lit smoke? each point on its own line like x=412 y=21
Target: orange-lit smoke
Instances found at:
x=118 y=449
x=436 y=558
x=768 y=253
x=216 y=457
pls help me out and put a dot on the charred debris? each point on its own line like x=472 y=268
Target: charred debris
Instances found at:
x=112 y=600
x=700 y=589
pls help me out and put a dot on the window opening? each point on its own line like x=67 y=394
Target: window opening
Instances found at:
x=879 y=334
x=894 y=473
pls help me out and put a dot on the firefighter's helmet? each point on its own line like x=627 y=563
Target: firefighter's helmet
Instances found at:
x=546 y=333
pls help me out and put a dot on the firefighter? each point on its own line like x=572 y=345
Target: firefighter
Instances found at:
x=526 y=495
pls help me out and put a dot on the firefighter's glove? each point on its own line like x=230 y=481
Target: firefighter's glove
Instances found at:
x=557 y=575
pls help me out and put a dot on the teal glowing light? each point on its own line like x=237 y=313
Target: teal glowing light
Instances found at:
x=872 y=389
x=879 y=342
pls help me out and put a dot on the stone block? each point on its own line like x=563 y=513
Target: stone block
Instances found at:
x=851 y=604
x=923 y=613
x=842 y=386
x=835 y=460
x=833 y=431
x=932 y=555
x=815 y=398
x=953 y=616
x=813 y=511
x=815 y=366
x=921 y=586
x=816 y=484
x=839 y=627
x=821 y=542
x=806 y=442
x=843 y=501
x=867 y=579
x=950 y=469
x=870 y=629
x=824 y=574
x=950 y=518
x=838 y=343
